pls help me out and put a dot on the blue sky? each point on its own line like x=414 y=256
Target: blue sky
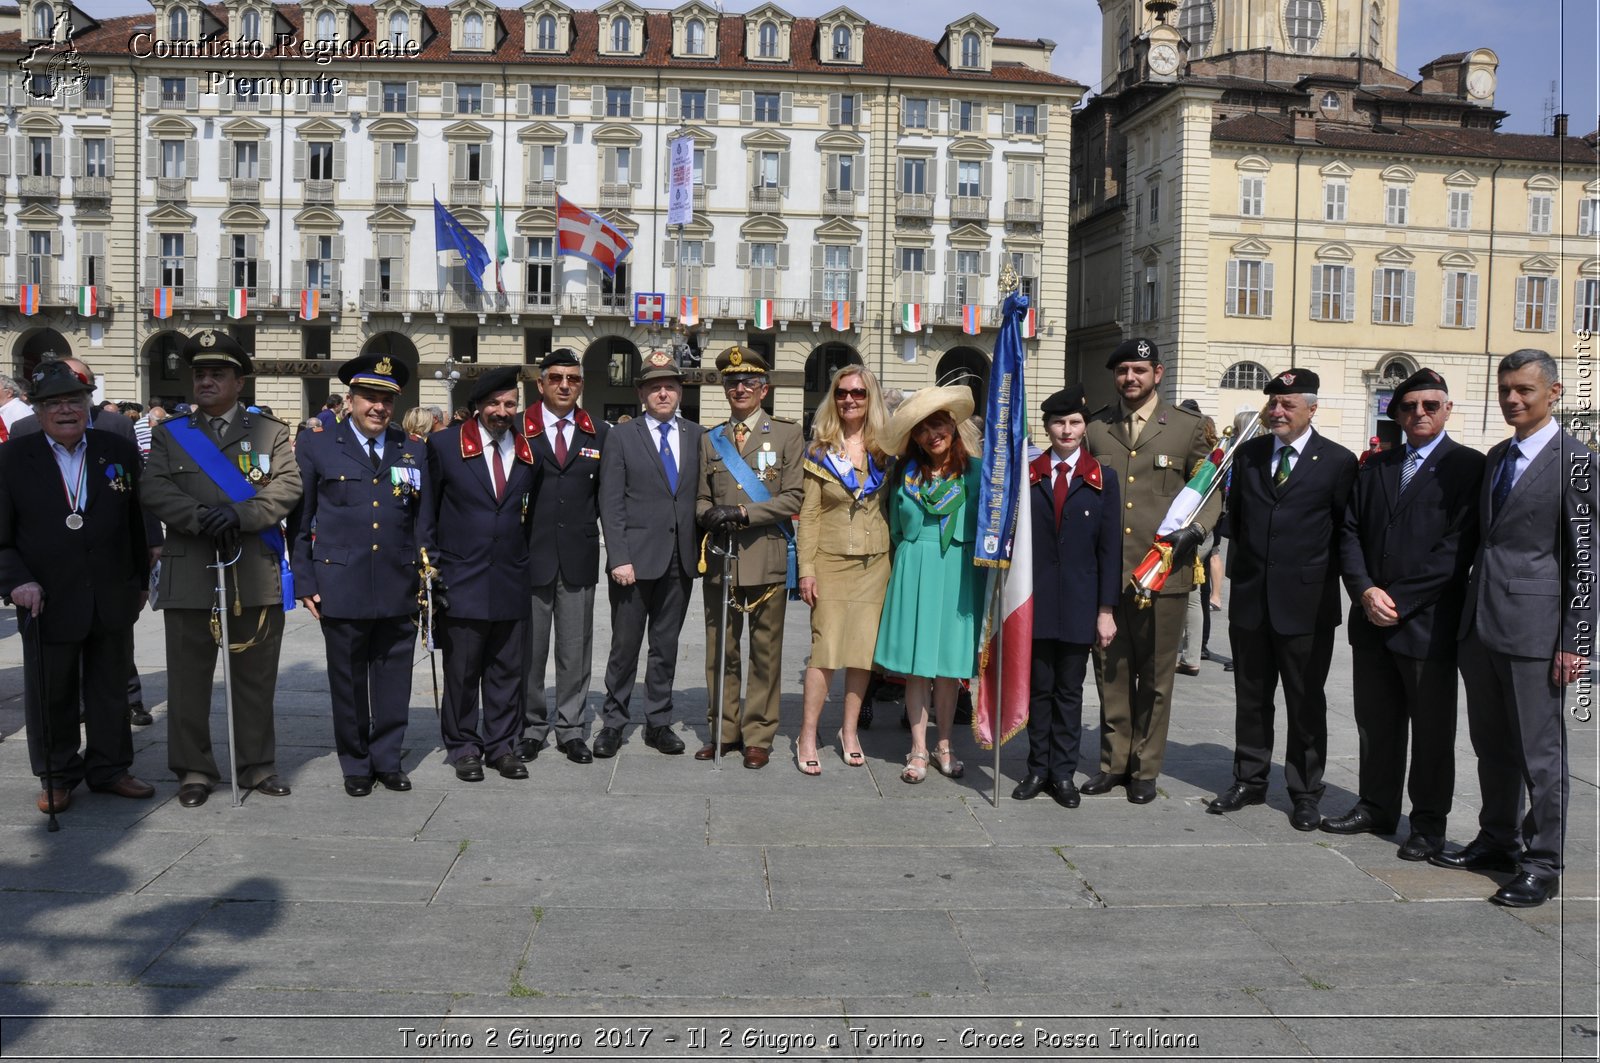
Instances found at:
x=1526 y=35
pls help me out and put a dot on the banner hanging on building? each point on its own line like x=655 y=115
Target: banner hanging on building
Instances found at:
x=680 y=187
x=649 y=308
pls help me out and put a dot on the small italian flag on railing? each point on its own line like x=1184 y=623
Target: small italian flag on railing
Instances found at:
x=911 y=317
x=238 y=302
x=839 y=315
x=1030 y=323
x=88 y=300
x=161 y=303
x=28 y=299
x=764 y=313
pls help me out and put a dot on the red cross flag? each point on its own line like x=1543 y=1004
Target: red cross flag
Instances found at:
x=590 y=237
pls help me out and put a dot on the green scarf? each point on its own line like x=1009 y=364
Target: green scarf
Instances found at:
x=943 y=498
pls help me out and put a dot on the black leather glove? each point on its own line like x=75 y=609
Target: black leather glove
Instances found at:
x=719 y=518
x=218 y=521
x=1185 y=541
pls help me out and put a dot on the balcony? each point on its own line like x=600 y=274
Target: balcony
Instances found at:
x=54 y=294
x=398 y=300
x=839 y=204
x=91 y=188
x=616 y=196
x=969 y=208
x=318 y=191
x=764 y=200
x=1024 y=211
x=172 y=190
x=466 y=193
x=397 y=193
x=35 y=187
x=244 y=190
x=540 y=194
x=950 y=314
x=913 y=205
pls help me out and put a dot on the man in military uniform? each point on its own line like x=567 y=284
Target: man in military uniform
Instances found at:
x=222 y=479
x=358 y=531
x=751 y=485
x=1152 y=447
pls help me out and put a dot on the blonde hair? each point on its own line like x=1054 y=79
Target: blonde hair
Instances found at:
x=417 y=422
x=827 y=430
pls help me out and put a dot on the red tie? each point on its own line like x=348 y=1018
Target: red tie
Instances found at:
x=1063 y=475
x=561 y=441
x=499 y=473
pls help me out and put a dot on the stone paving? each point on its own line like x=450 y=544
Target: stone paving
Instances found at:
x=647 y=907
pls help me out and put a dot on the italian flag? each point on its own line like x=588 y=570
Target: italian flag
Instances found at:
x=911 y=317
x=1030 y=324
x=238 y=302
x=88 y=300
x=764 y=314
x=1187 y=502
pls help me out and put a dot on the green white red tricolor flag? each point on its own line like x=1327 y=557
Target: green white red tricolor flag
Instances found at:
x=911 y=317
x=764 y=313
x=238 y=302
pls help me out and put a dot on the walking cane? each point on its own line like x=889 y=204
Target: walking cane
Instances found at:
x=220 y=610
x=721 y=696
x=46 y=734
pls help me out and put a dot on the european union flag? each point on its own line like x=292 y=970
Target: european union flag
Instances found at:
x=450 y=235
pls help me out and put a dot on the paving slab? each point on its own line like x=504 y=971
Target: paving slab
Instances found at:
x=53 y=938
x=1104 y=819
x=309 y=869
x=875 y=878
x=603 y=875
x=505 y=814
x=86 y=860
x=1283 y=873
x=308 y=811
x=937 y=821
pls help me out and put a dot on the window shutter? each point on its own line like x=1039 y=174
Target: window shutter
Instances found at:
x=264 y=102
x=561 y=164
x=951 y=295
x=152 y=158
x=817 y=302
x=741 y=256
x=411 y=163
x=488 y=97
x=747 y=106
x=710 y=175
x=597 y=101
x=1349 y=293
x=860 y=171
x=152 y=93
x=374 y=97
x=830 y=165
x=191 y=93
x=338 y=160
x=250 y=248
x=225 y=160
x=783 y=255
x=674 y=104
x=1008 y=124
x=447 y=98
x=833 y=108
x=1411 y=295
x=1266 y=289
x=1044 y=118
x=783 y=172
x=191 y=158
x=786 y=107
x=951 y=173
x=297 y=275
x=1231 y=299
x=708 y=254
x=152 y=271
x=856 y=108
x=1522 y=304
x=1577 y=305
x=1552 y=294
x=263 y=159
x=74 y=158
x=636 y=103
x=610 y=166
x=1447 y=299
x=987 y=180
x=713 y=101
x=1472 y=300
x=563 y=98
x=953 y=109
x=486 y=164
x=338 y=249
x=386 y=162
x=594 y=286
x=1377 y=295
x=369 y=274
x=299 y=160
x=1316 y=292
x=519 y=248
x=899 y=175
x=224 y=102
x=985 y=264
x=858 y=257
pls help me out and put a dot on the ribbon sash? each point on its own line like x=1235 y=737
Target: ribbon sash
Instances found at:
x=752 y=485
x=941 y=498
x=839 y=465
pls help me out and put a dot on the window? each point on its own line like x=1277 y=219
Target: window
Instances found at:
x=1124 y=53
x=172 y=158
x=541 y=270
x=1252 y=195
x=969 y=177
x=1586 y=305
x=621 y=35
x=966 y=116
x=1335 y=195
x=95 y=158
x=1026 y=120
x=241 y=263
x=1025 y=265
x=36 y=268
x=1397 y=204
x=689 y=275
x=913 y=260
x=399 y=166
x=247 y=159
x=177 y=24
x=471 y=162
x=1330 y=101
x=396 y=100
x=699 y=167
x=172 y=263
x=548 y=162
x=916 y=114
x=971 y=50
x=1303 y=24
x=39 y=157
x=1460 y=300
x=542 y=99
x=321 y=94
x=1245 y=376
x=469 y=98
x=1374 y=31
x=250 y=26
x=320 y=264
x=694 y=37
x=767 y=41
x=1588 y=216
x=1460 y=216
x=1249 y=288
x=844 y=173
x=914 y=176
x=624 y=165
x=763 y=271
x=246 y=91
x=319 y=161
x=837 y=276
x=966 y=282
x=847 y=108
x=619 y=103
x=1333 y=293
x=1536 y=304
x=174 y=92
x=472 y=31
x=1541 y=209
x=545 y=34
x=1149 y=295
x=692 y=105
x=768 y=106
x=399 y=29
x=44 y=22
x=769 y=168
x=614 y=290
x=1197 y=21
x=1155 y=204
x=94 y=88
x=1138 y=212
x=325 y=26
x=1394 y=296
x=841 y=42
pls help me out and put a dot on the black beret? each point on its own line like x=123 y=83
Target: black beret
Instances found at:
x=559 y=356
x=1190 y=405
x=1134 y=350
x=1068 y=400
x=1293 y=382
x=211 y=347
x=1421 y=380
x=493 y=382
x=379 y=371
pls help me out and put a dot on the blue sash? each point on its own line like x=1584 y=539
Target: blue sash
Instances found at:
x=226 y=475
x=757 y=491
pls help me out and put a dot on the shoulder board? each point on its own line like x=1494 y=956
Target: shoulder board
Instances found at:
x=782 y=420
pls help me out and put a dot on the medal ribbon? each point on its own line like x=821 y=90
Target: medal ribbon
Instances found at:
x=75 y=495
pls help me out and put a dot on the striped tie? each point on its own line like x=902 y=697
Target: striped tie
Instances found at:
x=1409 y=469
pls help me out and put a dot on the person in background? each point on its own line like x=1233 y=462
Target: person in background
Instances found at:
x=418 y=424
x=13 y=405
x=332 y=411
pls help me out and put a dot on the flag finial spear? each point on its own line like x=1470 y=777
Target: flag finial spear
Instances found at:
x=1010 y=281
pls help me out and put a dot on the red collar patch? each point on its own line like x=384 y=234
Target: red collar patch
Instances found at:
x=472 y=443
x=1088 y=470
x=533 y=421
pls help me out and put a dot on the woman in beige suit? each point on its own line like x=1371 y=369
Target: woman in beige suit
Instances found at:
x=843 y=545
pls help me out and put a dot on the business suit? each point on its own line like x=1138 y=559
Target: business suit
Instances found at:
x=1077 y=571
x=564 y=565
x=760 y=569
x=1284 y=605
x=356 y=542
x=483 y=560
x=93 y=580
x=1416 y=546
x=178 y=492
x=649 y=524
x=1135 y=672
x=1530 y=596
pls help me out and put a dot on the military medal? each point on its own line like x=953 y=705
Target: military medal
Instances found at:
x=75 y=493
x=74 y=521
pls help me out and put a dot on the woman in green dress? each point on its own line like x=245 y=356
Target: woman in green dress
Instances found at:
x=932 y=615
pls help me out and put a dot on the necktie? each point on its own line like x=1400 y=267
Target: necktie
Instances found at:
x=741 y=432
x=561 y=441
x=1283 y=466
x=667 y=461
x=219 y=425
x=1063 y=477
x=1409 y=469
x=372 y=452
x=1502 y=483
x=1133 y=429
x=499 y=473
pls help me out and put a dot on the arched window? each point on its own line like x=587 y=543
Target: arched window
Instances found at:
x=250 y=26
x=621 y=35
x=1124 y=55
x=399 y=28
x=547 y=33
x=325 y=24
x=1375 y=32
x=694 y=37
x=1302 y=22
x=1245 y=376
x=971 y=50
x=767 y=40
x=1197 y=21
x=178 y=24
x=841 y=42
x=472 y=31
x=44 y=22
x=1395 y=371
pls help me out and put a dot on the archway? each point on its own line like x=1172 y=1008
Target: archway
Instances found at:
x=396 y=346
x=609 y=366
x=169 y=380
x=37 y=346
x=820 y=367
x=969 y=366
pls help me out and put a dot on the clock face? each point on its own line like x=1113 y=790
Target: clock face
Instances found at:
x=1163 y=59
x=1480 y=83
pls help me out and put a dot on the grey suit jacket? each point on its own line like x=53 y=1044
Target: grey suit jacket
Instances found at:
x=643 y=520
x=1531 y=591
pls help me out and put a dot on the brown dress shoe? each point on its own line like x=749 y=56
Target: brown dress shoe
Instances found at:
x=127 y=786
x=54 y=800
x=756 y=757
x=706 y=751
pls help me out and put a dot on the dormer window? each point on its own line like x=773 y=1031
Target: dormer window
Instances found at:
x=1330 y=101
x=546 y=35
x=971 y=50
x=767 y=40
x=177 y=24
x=44 y=22
x=250 y=26
x=621 y=35
x=694 y=37
x=325 y=26
x=841 y=42
x=472 y=31
x=399 y=29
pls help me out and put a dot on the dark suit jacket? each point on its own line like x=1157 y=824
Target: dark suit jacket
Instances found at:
x=565 y=516
x=1077 y=566
x=483 y=544
x=643 y=520
x=1284 y=563
x=1531 y=591
x=93 y=574
x=1416 y=546
x=115 y=423
x=356 y=534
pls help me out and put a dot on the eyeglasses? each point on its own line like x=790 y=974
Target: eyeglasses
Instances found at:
x=859 y=394
x=564 y=378
x=743 y=385
x=1426 y=405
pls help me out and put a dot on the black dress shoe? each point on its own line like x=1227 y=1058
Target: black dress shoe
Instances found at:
x=358 y=785
x=577 y=751
x=1306 y=815
x=1477 y=855
x=1358 y=820
x=510 y=767
x=1065 y=794
x=1417 y=847
x=1237 y=797
x=140 y=716
x=470 y=769
x=663 y=739
x=528 y=750
x=1141 y=791
x=272 y=786
x=193 y=794
x=394 y=780
x=1527 y=890
x=609 y=740
x=1103 y=783
x=1028 y=788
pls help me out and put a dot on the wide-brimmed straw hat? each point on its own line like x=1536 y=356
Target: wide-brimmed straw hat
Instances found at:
x=954 y=399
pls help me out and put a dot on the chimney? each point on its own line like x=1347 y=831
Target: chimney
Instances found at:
x=1561 y=125
x=1305 y=126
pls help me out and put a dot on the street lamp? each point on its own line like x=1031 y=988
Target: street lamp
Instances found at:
x=450 y=375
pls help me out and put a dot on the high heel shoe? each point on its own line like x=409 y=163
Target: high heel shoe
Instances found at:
x=944 y=760
x=914 y=772
x=807 y=767
x=855 y=759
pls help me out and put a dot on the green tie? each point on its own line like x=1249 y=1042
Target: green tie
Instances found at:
x=1283 y=467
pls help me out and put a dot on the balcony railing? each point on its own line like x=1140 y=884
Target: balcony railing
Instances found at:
x=466 y=193
x=839 y=203
x=261 y=298
x=318 y=191
x=36 y=187
x=53 y=293
x=172 y=190
x=616 y=196
x=540 y=194
x=244 y=190
x=913 y=205
x=969 y=208
x=397 y=193
x=91 y=187
x=1025 y=211
x=766 y=200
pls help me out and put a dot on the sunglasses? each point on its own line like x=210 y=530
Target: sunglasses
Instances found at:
x=1425 y=405
x=564 y=378
x=744 y=385
x=859 y=394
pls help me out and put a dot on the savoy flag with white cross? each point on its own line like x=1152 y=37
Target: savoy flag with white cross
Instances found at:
x=590 y=237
